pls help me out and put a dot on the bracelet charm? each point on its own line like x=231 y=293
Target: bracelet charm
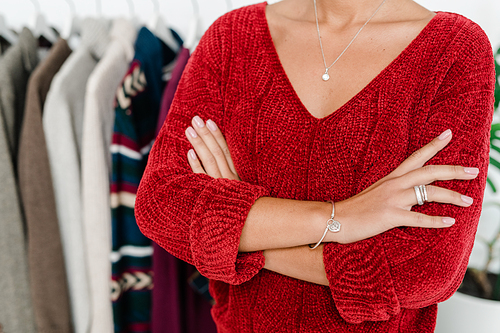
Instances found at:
x=331 y=224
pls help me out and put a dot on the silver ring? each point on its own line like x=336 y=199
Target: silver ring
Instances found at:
x=423 y=189
x=419 y=195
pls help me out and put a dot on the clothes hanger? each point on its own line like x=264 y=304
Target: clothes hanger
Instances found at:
x=193 y=36
x=133 y=18
x=158 y=26
x=72 y=27
x=41 y=26
x=6 y=33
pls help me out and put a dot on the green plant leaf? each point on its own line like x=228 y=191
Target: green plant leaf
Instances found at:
x=495 y=143
x=493 y=188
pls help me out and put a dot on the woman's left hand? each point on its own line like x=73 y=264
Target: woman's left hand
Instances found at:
x=211 y=154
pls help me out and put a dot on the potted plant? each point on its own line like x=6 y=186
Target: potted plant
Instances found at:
x=476 y=305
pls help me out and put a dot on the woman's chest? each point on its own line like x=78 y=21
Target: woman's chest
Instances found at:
x=276 y=143
x=350 y=67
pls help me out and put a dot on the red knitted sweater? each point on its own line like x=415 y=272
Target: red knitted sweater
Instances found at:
x=388 y=283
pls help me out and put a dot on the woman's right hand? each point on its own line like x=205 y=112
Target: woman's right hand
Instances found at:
x=387 y=203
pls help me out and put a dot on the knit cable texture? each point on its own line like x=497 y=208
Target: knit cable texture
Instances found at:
x=387 y=283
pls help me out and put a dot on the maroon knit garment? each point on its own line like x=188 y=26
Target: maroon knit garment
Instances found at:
x=388 y=283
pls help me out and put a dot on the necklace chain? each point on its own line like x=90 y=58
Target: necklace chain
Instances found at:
x=326 y=76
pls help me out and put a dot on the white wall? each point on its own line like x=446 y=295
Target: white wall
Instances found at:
x=178 y=12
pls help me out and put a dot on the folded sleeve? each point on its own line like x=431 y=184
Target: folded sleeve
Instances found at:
x=195 y=217
x=411 y=268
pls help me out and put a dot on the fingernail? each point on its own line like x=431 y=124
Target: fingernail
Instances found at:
x=211 y=125
x=448 y=220
x=192 y=154
x=192 y=132
x=471 y=171
x=467 y=200
x=445 y=134
x=199 y=122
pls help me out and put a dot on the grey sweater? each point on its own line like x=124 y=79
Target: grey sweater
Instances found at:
x=16 y=312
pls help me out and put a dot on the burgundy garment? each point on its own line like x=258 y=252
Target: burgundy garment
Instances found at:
x=177 y=308
x=170 y=89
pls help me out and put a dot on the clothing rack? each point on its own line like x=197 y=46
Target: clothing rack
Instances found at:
x=61 y=140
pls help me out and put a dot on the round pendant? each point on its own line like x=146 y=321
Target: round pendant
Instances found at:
x=325 y=77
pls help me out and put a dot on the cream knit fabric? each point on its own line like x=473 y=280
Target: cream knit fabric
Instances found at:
x=63 y=124
x=96 y=161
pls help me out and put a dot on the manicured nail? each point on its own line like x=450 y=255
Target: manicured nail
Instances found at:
x=211 y=125
x=199 y=122
x=467 y=200
x=448 y=220
x=445 y=134
x=192 y=132
x=192 y=154
x=471 y=171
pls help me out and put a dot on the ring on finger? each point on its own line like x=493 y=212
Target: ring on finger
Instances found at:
x=418 y=194
x=423 y=190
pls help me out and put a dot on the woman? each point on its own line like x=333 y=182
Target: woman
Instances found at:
x=411 y=87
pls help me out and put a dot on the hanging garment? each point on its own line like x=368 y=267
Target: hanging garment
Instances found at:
x=15 y=68
x=171 y=87
x=4 y=45
x=63 y=125
x=177 y=308
x=98 y=122
x=136 y=115
x=16 y=312
x=45 y=256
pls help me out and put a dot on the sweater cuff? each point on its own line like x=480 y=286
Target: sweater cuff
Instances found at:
x=360 y=281
x=217 y=222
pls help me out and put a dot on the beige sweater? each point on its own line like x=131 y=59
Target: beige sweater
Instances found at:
x=45 y=257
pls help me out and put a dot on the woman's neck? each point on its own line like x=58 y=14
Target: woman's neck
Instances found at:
x=338 y=14
x=346 y=12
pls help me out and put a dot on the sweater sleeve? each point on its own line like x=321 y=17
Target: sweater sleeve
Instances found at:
x=195 y=217
x=373 y=279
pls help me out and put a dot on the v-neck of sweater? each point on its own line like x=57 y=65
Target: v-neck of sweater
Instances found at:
x=371 y=86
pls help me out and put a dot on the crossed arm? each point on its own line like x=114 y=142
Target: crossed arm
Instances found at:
x=284 y=243
x=226 y=232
